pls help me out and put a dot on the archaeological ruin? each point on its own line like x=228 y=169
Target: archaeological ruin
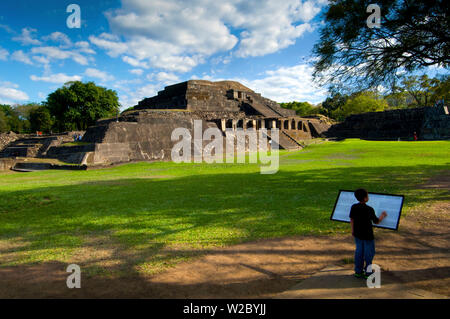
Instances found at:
x=429 y=123
x=145 y=132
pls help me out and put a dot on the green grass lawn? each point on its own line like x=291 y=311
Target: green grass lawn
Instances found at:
x=156 y=214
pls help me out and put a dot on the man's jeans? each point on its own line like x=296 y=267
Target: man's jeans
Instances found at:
x=365 y=251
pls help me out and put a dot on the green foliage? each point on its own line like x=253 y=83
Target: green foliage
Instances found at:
x=24 y=110
x=78 y=105
x=301 y=108
x=360 y=103
x=17 y=117
x=41 y=120
x=4 y=127
x=426 y=91
x=412 y=35
x=333 y=102
x=14 y=122
x=398 y=100
x=441 y=89
x=419 y=91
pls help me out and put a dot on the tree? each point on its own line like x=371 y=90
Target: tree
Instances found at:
x=301 y=108
x=420 y=88
x=420 y=91
x=78 y=105
x=333 y=102
x=412 y=35
x=41 y=120
x=398 y=99
x=4 y=127
x=360 y=103
x=23 y=112
x=12 y=118
x=441 y=90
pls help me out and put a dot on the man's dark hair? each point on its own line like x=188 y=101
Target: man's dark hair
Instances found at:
x=360 y=194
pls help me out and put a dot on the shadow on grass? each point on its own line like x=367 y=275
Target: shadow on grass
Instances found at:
x=142 y=219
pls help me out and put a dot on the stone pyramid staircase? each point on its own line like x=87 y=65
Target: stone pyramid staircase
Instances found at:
x=286 y=141
x=27 y=147
x=264 y=109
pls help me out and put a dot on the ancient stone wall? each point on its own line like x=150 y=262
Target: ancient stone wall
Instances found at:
x=203 y=96
x=436 y=124
x=7 y=138
x=206 y=96
x=172 y=97
x=6 y=163
x=428 y=122
x=135 y=141
x=145 y=133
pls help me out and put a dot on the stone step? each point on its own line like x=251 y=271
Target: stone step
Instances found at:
x=335 y=282
x=288 y=142
x=264 y=109
x=32 y=167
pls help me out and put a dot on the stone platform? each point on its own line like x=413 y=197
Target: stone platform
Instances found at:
x=339 y=283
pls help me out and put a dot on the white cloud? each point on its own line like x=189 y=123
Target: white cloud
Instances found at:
x=83 y=46
x=110 y=43
x=45 y=54
x=9 y=84
x=271 y=40
x=135 y=62
x=59 y=78
x=6 y=28
x=136 y=71
x=41 y=59
x=177 y=35
x=59 y=37
x=164 y=78
x=26 y=38
x=132 y=97
x=55 y=53
x=272 y=25
x=3 y=54
x=285 y=84
x=309 y=9
x=95 y=73
x=9 y=93
x=21 y=57
x=289 y=84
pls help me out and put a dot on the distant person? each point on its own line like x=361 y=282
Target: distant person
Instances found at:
x=361 y=218
x=80 y=137
x=415 y=136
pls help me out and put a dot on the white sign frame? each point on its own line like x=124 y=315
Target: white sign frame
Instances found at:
x=390 y=203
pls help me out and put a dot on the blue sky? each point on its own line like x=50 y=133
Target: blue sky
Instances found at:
x=137 y=47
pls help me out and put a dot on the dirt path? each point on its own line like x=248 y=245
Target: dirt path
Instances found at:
x=417 y=255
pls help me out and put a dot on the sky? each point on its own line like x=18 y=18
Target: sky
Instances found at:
x=137 y=47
